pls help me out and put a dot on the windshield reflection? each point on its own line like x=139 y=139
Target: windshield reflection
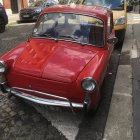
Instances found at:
x=37 y=4
x=111 y=4
x=72 y=27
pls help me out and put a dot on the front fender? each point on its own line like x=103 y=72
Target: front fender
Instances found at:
x=11 y=56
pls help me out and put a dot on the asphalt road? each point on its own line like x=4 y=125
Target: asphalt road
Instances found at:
x=19 y=120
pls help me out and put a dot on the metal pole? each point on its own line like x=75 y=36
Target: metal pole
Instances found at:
x=139 y=6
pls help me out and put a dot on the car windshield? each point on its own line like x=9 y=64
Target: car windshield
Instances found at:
x=72 y=27
x=44 y=3
x=111 y=4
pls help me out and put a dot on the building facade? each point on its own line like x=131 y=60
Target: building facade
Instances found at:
x=14 y=6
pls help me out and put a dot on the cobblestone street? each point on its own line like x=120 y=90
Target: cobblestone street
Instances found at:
x=19 y=120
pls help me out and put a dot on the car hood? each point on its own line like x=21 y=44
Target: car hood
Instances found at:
x=54 y=60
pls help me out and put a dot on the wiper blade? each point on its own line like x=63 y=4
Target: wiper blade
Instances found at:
x=45 y=35
x=69 y=36
x=119 y=8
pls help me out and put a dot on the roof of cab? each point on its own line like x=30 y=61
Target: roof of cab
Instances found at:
x=99 y=11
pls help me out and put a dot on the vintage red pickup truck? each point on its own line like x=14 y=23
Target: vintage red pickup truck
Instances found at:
x=65 y=60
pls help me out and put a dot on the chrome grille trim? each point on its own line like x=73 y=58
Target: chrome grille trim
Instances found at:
x=65 y=103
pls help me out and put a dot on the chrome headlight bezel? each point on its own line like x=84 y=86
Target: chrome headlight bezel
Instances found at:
x=3 y=66
x=38 y=10
x=120 y=21
x=88 y=84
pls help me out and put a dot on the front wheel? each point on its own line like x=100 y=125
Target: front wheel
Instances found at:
x=2 y=25
x=90 y=110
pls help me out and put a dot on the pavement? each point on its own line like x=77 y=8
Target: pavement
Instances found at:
x=13 y=18
x=124 y=116
x=136 y=76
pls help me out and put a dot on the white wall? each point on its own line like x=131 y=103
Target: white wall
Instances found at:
x=19 y=5
x=1 y=1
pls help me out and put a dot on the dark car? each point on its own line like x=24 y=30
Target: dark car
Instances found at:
x=32 y=12
x=3 y=19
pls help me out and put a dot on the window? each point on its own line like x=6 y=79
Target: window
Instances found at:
x=111 y=4
x=72 y=27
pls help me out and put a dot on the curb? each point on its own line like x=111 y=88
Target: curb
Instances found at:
x=13 y=18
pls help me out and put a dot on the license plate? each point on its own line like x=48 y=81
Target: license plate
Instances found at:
x=26 y=16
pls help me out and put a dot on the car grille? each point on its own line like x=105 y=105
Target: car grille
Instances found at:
x=27 y=12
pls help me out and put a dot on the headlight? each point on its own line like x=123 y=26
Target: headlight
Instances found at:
x=38 y=10
x=2 y=66
x=88 y=84
x=120 y=21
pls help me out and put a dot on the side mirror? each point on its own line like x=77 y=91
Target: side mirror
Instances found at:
x=112 y=40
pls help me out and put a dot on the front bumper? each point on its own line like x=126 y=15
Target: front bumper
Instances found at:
x=120 y=27
x=21 y=92
x=25 y=17
x=43 y=98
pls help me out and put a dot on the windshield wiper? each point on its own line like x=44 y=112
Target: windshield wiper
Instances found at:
x=45 y=35
x=120 y=7
x=69 y=36
x=75 y=38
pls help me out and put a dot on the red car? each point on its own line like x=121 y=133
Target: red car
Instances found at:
x=65 y=60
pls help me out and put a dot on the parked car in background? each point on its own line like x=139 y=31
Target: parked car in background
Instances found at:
x=32 y=12
x=119 y=8
x=65 y=60
x=3 y=18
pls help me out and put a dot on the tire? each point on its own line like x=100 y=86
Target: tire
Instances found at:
x=2 y=25
x=90 y=111
x=120 y=34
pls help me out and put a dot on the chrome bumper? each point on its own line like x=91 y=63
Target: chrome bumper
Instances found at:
x=65 y=103
x=21 y=92
x=56 y=101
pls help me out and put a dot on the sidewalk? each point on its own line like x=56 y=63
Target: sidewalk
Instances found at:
x=13 y=18
x=136 y=79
